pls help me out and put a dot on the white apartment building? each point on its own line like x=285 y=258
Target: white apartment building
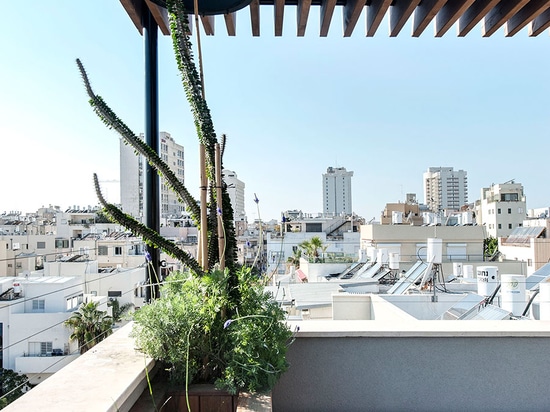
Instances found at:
x=235 y=189
x=340 y=236
x=445 y=188
x=529 y=243
x=502 y=208
x=132 y=169
x=32 y=311
x=337 y=191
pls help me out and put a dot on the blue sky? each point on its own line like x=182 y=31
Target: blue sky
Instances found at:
x=385 y=108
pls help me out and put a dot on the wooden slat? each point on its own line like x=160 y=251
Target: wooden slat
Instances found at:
x=160 y=14
x=375 y=13
x=498 y=16
x=400 y=11
x=230 y=23
x=279 y=10
x=327 y=10
x=302 y=16
x=473 y=15
x=255 y=17
x=424 y=14
x=133 y=8
x=523 y=17
x=352 y=10
x=449 y=14
x=541 y=23
x=208 y=24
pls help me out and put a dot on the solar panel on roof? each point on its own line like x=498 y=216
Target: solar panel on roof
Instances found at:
x=410 y=278
x=532 y=281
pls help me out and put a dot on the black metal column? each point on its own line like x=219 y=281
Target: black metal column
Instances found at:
x=151 y=189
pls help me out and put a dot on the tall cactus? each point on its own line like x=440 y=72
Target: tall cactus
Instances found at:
x=206 y=136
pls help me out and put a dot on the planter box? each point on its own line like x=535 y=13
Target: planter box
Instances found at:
x=202 y=398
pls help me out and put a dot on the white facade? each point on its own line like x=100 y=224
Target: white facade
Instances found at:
x=32 y=312
x=502 y=208
x=337 y=191
x=281 y=247
x=445 y=188
x=235 y=190
x=132 y=169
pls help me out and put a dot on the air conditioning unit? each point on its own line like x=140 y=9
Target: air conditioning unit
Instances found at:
x=16 y=246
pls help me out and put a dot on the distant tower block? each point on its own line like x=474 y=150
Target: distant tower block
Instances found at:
x=337 y=191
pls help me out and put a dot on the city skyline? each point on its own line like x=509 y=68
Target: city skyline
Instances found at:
x=386 y=108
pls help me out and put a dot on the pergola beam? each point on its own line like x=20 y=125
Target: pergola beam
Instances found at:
x=255 y=17
x=400 y=12
x=327 y=10
x=160 y=14
x=499 y=15
x=539 y=24
x=424 y=14
x=449 y=14
x=208 y=24
x=279 y=9
x=473 y=15
x=351 y=12
x=230 y=23
x=522 y=18
x=375 y=13
x=302 y=16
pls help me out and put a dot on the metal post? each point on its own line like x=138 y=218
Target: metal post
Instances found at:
x=151 y=190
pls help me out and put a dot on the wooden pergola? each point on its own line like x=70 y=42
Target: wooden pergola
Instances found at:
x=513 y=15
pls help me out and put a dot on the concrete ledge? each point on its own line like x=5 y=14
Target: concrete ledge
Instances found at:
x=109 y=377
x=421 y=328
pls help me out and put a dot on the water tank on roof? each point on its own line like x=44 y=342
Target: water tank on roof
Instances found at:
x=544 y=300
x=512 y=292
x=435 y=250
x=468 y=271
x=394 y=261
x=457 y=269
x=17 y=288
x=382 y=256
x=487 y=280
x=396 y=217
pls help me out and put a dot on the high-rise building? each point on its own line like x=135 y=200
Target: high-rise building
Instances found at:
x=502 y=208
x=337 y=191
x=235 y=189
x=445 y=189
x=132 y=169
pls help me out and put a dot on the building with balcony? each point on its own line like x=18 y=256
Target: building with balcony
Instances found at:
x=502 y=208
x=32 y=311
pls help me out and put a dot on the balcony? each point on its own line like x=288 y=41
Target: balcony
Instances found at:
x=46 y=364
x=351 y=365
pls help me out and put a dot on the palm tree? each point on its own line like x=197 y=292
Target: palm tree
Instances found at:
x=312 y=247
x=119 y=310
x=90 y=325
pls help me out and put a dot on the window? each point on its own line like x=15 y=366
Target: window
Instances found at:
x=498 y=211
x=74 y=301
x=102 y=250
x=500 y=226
x=38 y=305
x=118 y=250
x=114 y=293
x=61 y=243
x=509 y=211
x=40 y=348
x=41 y=245
x=509 y=226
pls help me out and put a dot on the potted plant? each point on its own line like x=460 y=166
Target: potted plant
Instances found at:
x=212 y=323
